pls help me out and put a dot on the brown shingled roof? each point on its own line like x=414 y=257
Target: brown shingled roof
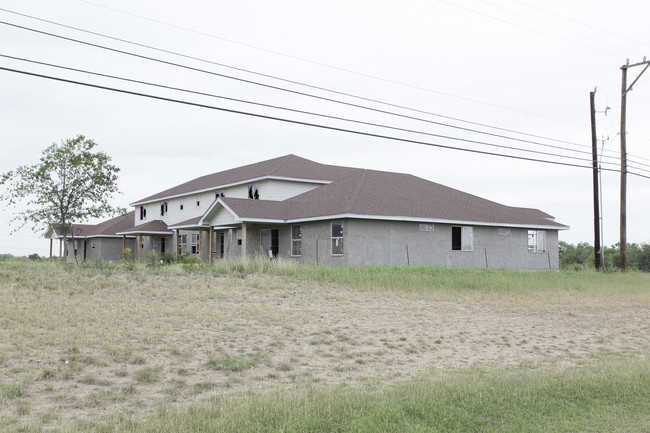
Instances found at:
x=106 y=228
x=392 y=196
x=358 y=192
x=285 y=166
x=156 y=226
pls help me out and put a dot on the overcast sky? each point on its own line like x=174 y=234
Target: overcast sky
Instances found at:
x=516 y=73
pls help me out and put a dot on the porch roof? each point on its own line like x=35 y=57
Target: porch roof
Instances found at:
x=156 y=227
x=104 y=229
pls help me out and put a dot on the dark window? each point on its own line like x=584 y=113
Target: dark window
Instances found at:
x=254 y=191
x=337 y=238
x=456 y=243
x=143 y=212
x=462 y=238
x=163 y=209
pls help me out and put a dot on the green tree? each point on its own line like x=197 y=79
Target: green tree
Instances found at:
x=70 y=183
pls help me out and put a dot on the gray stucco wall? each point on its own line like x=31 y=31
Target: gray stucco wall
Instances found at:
x=387 y=243
x=395 y=243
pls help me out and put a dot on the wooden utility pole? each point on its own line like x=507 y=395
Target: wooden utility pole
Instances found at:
x=594 y=154
x=624 y=90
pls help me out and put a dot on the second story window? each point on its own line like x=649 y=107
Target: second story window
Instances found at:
x=163 y=209
x=143 y=213
x=254 y=191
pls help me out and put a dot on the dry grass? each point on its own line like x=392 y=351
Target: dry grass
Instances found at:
x=86 y=346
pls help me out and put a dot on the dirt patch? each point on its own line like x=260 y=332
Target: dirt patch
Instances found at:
x=124 y=345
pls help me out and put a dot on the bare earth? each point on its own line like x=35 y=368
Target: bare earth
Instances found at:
x=126 y=345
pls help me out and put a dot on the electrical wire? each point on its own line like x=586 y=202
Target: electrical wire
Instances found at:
x=297 y=111
x=553 y=26
x=297 y=122
x=578 y=22
x=527 y=28
x=280 y=88
x=362 y=74
x=304 y=84
x=327 y=99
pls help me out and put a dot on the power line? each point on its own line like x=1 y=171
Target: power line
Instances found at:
x=526 y=28
x=582 y=23
x=314 y=96
x=309 y=85
x=298 y=111
x=297 y=122
x=331 y=66
x=553 y=26
x=294 y=91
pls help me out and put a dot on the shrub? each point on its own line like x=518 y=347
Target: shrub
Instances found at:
x=152 y=259
x=167 y=258
x=127 y=255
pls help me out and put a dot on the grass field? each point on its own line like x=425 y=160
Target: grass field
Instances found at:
x=267 y=346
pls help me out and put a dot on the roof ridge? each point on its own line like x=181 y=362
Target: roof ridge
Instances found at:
x=283 y=161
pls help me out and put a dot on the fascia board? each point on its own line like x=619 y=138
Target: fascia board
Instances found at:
x=407 y=219
x=146 y=232
x=115 y=236
x=230 y=185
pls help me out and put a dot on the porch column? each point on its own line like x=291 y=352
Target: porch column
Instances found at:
x=243 y=241
x=177 y=238
x=199 y=249
x=123 y=242
x=51 y=243
x=211 y=245
x=60 y=247
x=139 y=248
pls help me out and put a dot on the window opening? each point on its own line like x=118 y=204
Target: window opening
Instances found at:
x=296 y=240
x=337 y=238
x=183 y=245
x=536 y=241
x=254 y=191
x=238 y=237
x=194 y=247
x=462 y=238
x=143 y=213
x=163 y=209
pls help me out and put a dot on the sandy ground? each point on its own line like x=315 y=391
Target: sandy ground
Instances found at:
x=125 y=345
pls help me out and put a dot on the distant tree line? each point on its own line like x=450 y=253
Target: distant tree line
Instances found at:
x=581 y=256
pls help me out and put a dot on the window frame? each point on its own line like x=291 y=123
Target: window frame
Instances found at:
x=194 y=244
x=538 y=245
x=296 y=242
x=337 y=238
